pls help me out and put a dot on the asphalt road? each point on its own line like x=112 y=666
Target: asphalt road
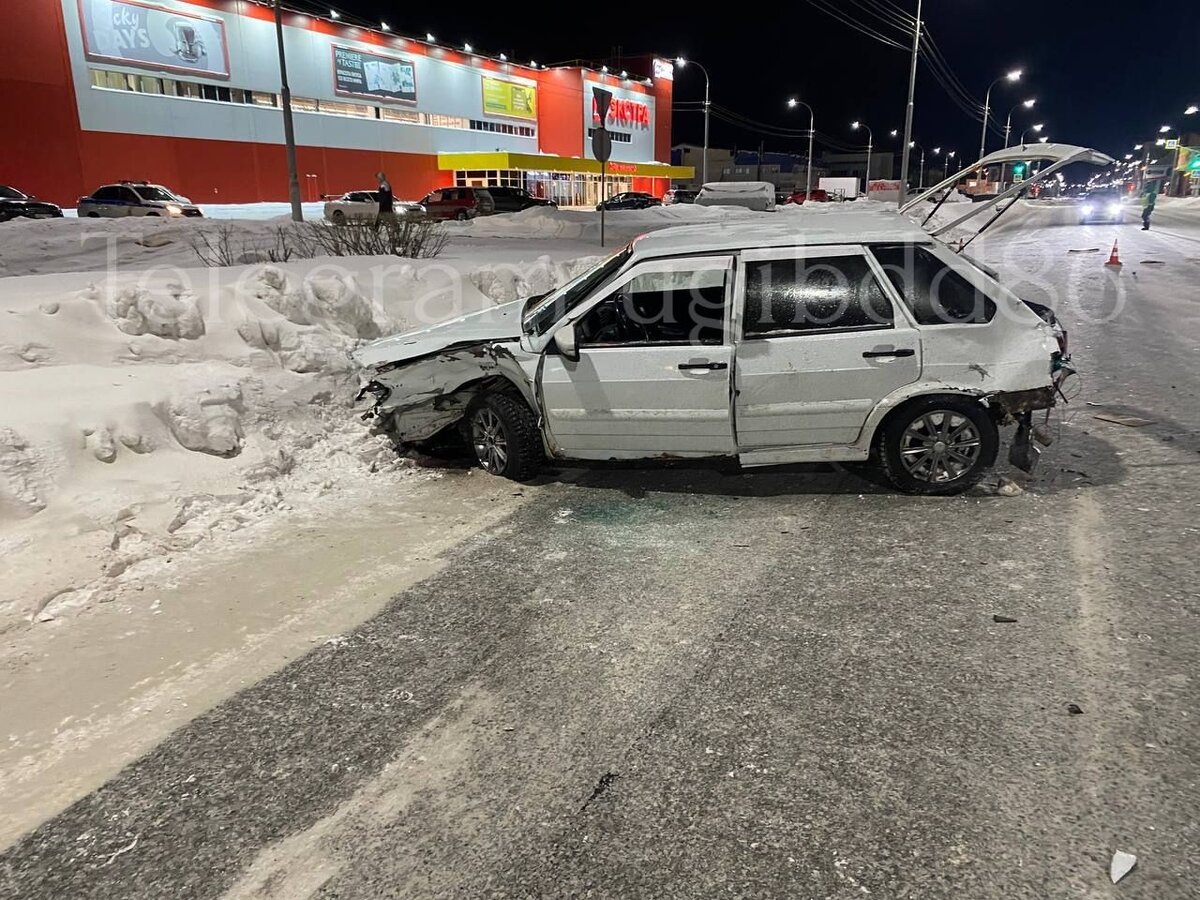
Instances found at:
x=678 y=683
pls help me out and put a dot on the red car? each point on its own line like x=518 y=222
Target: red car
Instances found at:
x=459 y=203
x=818 y=196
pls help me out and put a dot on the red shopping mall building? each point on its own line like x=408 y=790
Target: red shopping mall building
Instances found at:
x=187 y=94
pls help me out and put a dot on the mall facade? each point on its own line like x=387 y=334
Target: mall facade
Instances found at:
x=186 y=94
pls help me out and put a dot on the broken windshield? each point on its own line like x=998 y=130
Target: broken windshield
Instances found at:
x=538 y=319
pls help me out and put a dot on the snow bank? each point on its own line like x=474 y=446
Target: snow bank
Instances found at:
x=147 y=412
x=575 y=224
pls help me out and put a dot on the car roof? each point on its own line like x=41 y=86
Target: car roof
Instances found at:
x=784 y=229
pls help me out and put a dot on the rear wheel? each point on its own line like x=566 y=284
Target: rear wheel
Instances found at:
x=93 y=215
x=504 y=435
x=339 y=217
x=937 y=445
x=462 y=215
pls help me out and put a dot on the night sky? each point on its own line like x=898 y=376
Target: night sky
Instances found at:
x=1105 y=74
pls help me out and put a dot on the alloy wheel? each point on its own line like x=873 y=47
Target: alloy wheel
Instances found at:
x=491 y=447
x=940 y=446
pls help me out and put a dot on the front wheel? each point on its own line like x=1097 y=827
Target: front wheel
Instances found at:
x=504 y=435
x=938 y=445
x=462 y=215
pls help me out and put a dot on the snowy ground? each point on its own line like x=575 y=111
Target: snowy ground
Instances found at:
x=151 y=405
x=166 y=430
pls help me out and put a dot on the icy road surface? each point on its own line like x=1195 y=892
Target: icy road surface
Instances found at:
x=672 y=683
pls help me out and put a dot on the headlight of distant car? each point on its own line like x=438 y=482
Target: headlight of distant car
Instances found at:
x=1114 y=209
x=173 y=209
x=1087 y=209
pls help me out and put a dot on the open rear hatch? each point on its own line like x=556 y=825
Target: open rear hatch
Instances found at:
x=1056 y=156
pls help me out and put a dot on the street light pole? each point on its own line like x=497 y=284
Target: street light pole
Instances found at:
x=1014 y=75
x=1028 y=104
x=854 y=126
x=681 y=62
x=908 y=112
x=812 y=127
x=289 y=130
x=1038 y=127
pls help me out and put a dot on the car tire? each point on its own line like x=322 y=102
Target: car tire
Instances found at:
x=462 y=215
x=504 y=436
x=338 y=217
x=93 y=215
x=937 y=446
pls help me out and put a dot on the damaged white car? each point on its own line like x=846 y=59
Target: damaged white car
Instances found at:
x=858 y=338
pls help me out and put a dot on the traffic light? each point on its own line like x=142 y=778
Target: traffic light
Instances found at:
x=1194 y=163
x=1019 y=171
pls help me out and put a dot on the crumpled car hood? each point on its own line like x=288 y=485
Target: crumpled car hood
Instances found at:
x=498 y=323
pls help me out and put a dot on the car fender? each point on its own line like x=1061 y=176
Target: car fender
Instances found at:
x=910 y=392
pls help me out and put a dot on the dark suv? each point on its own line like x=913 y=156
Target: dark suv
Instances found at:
x=513 y=199
x=16 y=204
x=630 y=200
x=459 y=203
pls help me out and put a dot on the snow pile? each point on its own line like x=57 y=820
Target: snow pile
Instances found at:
x=147 y=412
x=577 y=224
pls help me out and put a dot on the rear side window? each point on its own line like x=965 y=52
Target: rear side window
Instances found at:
x=106 y=193
x=936 y=294
x=796 y=296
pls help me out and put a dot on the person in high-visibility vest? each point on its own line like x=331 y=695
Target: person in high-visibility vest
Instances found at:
x=1148 y=201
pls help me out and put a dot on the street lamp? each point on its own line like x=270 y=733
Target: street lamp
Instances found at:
x=1038 y=127
x=289 y=130
x=1014 y=75
x=812 y=126
x=1191 y=110
x=680 y=63
x=854 y=126
x=904 y=175
x=1028 y=104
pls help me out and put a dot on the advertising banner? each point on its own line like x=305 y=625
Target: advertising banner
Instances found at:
x=507 y=98
x=360 y=73
x=132 y=33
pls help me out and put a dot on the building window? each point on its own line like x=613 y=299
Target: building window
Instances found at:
x=618 y=137
x=401 y=115
x=261 y=98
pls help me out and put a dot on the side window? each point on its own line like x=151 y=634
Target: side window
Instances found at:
x=936 y=294
x=128 y=195
x=799 y=296
x=656 y=308
x=105 y=194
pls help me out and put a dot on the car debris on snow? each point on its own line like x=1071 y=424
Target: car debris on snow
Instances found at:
x=1127 y=421
x=1122 y=863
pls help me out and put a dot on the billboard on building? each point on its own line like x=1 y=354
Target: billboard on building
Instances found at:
x=132 y=33
x=630 y=121
x=360 y=73
x=508 y=98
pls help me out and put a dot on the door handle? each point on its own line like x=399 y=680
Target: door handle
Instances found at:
x=876 y=354
x=711 y=366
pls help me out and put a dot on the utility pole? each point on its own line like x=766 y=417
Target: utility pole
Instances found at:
x=908 y=113
x=289 y=129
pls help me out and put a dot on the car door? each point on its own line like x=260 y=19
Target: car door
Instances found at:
x=821 y=342
x=653 y=374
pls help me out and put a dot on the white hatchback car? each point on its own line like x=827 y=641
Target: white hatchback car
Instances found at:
x=363 y=206
x=858 y=338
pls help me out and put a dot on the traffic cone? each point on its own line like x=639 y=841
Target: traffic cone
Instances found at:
x=1114 y=258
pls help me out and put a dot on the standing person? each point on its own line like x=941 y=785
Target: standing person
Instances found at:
x=385 y=197
x=1148 y=202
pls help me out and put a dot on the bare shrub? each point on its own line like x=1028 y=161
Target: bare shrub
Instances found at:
x=231 y=244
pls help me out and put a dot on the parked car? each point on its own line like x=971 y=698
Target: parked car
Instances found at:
x=135 y=198
x=756 y=195
x=363 y=206
x=679 y=195
x=513 y=199
x=865 y=339
x=16 y=204
x=1102 y=206
x=629 y=200
x=818 y=196
x=459 y=203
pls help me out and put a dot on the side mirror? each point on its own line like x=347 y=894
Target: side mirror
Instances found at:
x=564 y=340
